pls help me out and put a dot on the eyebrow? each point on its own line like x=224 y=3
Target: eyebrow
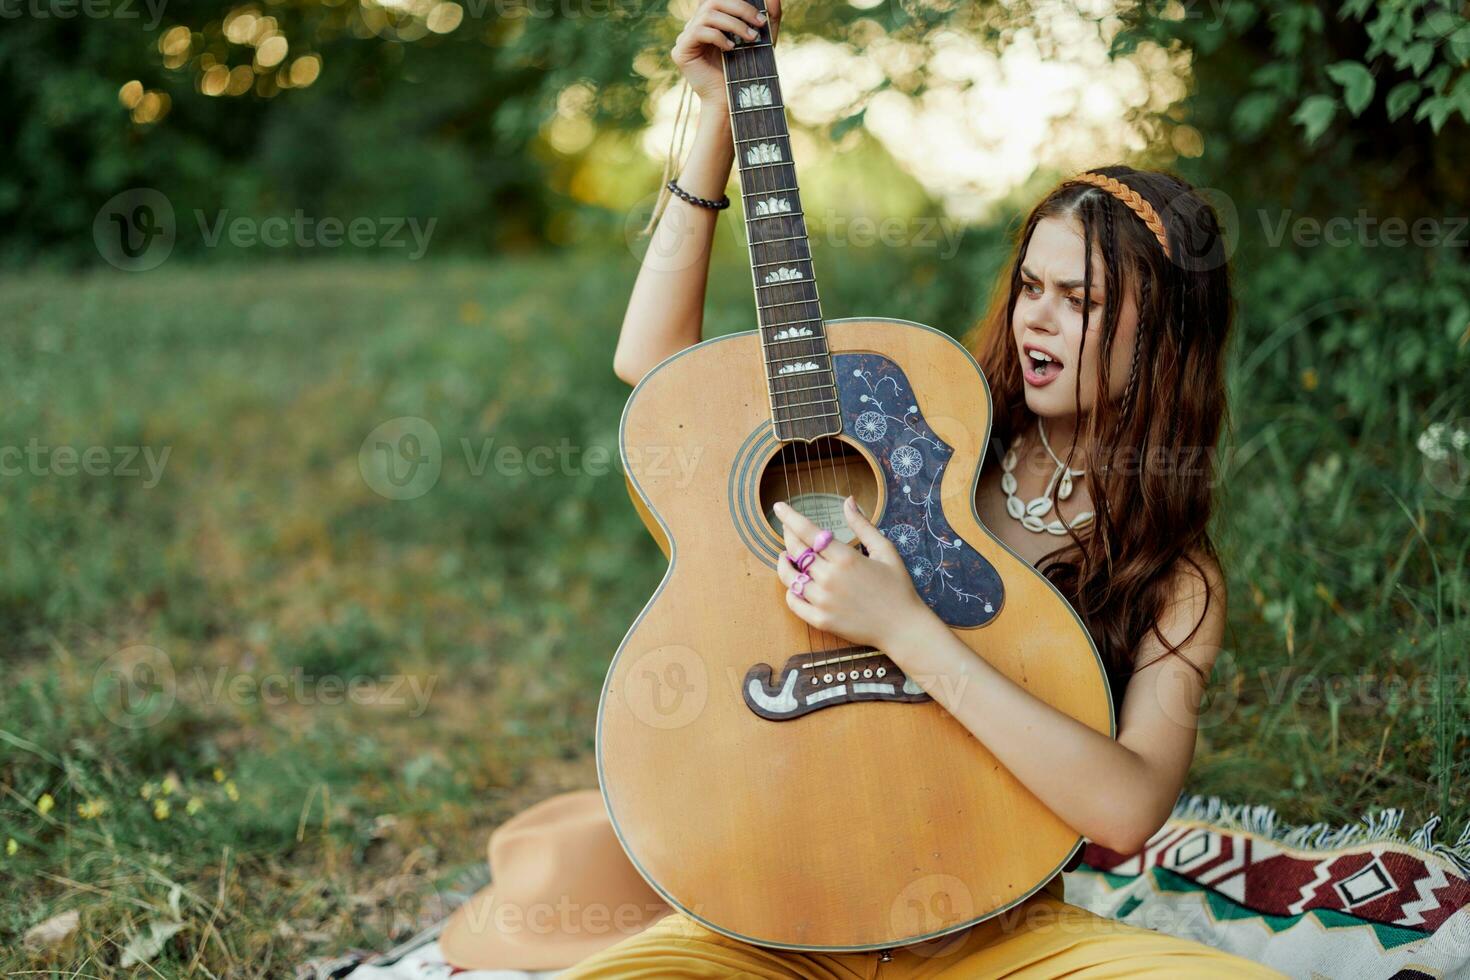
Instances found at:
x=1061 y=283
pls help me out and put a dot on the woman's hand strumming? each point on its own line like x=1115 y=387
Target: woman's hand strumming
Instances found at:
x=697 y=51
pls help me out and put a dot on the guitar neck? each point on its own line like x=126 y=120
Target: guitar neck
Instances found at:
x=794 y=350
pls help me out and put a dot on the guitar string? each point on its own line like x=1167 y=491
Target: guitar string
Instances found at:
x=820 y=445
x=801 y=447
x=786 y=468
x=795 y=225
x=841 y=484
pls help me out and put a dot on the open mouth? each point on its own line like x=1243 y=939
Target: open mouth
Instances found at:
x=1039 y=366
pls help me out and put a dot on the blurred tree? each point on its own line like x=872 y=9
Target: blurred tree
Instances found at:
x=435 y=107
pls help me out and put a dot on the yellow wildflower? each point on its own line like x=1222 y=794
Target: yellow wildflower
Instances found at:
x=170 y=785
x=92 y=809
x=232 y=792
x=160 y=810
x=146 y=791
x=45 y=803
x=11 y=847
x=219 y=774
x=193 y=806
x=1309 y=379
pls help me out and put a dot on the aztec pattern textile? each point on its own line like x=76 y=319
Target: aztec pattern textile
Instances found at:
x=1356 y=902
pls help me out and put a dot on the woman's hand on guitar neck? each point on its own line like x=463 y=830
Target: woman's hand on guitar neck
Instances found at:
x=698 y=50
x=868 y=600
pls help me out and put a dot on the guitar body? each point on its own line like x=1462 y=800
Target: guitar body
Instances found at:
x=770 y=780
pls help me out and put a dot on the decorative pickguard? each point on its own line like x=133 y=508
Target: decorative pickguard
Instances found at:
x=880 y=410
x=820 y=679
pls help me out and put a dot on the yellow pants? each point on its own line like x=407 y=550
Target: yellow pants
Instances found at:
x=1042 y=937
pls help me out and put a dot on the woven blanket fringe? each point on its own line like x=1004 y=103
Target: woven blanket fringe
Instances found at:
x=1380 y=826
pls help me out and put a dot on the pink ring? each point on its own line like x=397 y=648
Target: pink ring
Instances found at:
x=798 y=586
x=824 y=538
x=802 y=561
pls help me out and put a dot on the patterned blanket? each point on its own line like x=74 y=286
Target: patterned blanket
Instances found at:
x=1355 y=902
x=1358 y=902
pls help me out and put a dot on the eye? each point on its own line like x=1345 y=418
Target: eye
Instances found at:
x=1076 y=302
x=1031 y=289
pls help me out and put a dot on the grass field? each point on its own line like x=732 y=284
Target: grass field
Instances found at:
x=222 y=511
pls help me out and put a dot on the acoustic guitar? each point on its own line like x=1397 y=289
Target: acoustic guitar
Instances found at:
x=777 y=783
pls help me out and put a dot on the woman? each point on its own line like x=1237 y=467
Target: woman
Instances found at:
x=1104 y=352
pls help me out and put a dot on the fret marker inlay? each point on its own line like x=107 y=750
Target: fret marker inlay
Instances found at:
x=800 y=367
x=752 y=96
x=764 y=153
x=792 y=333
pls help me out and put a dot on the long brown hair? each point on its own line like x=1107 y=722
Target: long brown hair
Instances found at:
x=1148 y=516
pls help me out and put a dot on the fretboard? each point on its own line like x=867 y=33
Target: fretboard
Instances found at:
x=794 y=352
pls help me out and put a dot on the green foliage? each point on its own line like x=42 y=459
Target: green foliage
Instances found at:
x=1366 y=87
x=262 y=551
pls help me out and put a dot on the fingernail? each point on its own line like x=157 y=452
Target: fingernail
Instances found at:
x=761 y=16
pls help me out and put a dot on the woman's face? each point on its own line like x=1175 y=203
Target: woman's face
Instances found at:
x=1048 y=317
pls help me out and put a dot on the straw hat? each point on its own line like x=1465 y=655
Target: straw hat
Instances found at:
x=561 y=889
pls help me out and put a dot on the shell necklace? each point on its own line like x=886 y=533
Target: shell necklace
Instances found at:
x=1030 y=513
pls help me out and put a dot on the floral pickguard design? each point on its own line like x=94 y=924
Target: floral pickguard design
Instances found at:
x=880 y=410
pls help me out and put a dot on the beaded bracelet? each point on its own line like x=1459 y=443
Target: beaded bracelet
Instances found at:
x=720 y=205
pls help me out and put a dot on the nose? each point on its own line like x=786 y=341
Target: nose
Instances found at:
x=1038 y=315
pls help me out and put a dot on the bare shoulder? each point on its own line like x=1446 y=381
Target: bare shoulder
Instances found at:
x=1162 y=702
x=1193 y=616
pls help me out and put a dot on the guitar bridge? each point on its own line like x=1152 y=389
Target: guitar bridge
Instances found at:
x=821 y=679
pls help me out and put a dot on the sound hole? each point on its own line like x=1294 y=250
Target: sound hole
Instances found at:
x=814 y=478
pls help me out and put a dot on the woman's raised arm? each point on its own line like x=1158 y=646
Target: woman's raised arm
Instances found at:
x=666 y=311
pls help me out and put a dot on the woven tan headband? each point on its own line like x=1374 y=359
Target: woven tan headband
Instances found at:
x=1135 y=203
